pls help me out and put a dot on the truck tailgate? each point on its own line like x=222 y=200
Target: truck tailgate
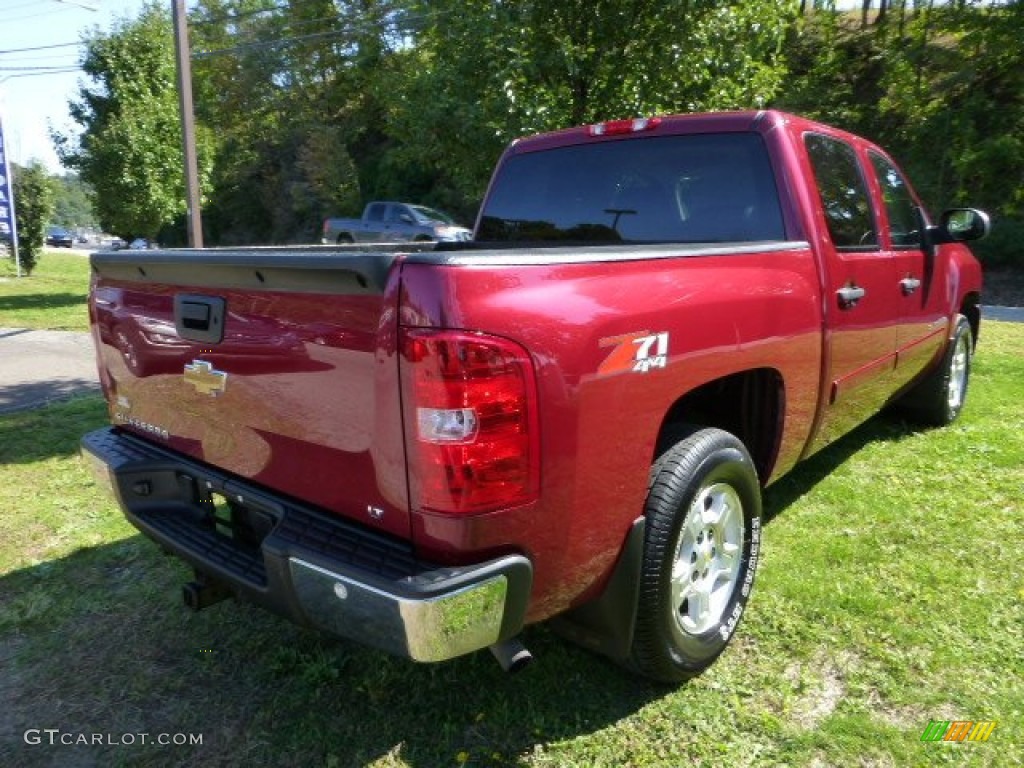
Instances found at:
x=276 y=365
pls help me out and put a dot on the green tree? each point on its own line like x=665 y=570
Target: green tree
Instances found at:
x=940 y=85
x=33 y=202
x=289 y=90
x=72 y=202
x=481 y=73
x=321 y=105
x=130 y=149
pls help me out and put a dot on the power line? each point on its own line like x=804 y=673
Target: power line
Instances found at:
x=41 y=74
x=52 y=10
x=283 y=41
x=7 y=58
x=34 y=15
x=232 y=17
x=23 y=5
x=361 y=26
x=48 y=58
x=32 y=69
x=42 y=47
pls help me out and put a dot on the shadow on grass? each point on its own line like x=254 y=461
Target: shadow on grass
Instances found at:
x=20 y=397
x=118 y=654
x=96 y=642
x=801 y=480
x=55 y=431
x=43 y=301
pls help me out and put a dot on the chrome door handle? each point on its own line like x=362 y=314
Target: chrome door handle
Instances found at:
x=849 y=295
x=909 y=284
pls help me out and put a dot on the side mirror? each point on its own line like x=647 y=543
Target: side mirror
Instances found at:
x=958 y=225
x=406 y=218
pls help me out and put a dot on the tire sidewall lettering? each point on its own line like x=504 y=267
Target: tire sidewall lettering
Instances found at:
x=722 y=466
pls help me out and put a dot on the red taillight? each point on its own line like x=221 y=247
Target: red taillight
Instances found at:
x=616 y=127
x=471 y=421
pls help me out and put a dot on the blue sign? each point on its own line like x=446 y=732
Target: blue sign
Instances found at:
x=8 y=226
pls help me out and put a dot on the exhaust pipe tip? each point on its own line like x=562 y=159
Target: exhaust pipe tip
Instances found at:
x=512 y=655
x=190 y=595
x=203 y=592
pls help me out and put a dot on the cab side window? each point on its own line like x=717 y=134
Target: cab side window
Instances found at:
x=844 y=194
x=900 y=206
x=376 y=212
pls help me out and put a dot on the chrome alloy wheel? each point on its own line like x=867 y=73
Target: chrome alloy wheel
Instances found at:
x=706 y=566
x=958 y=374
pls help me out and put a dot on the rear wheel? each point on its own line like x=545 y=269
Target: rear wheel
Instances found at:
x=700 y=553
x=345 y=239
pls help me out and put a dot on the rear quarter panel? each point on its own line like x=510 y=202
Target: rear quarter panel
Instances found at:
x=721 y=313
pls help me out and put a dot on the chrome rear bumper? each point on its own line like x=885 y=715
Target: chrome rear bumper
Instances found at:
x=311 y=566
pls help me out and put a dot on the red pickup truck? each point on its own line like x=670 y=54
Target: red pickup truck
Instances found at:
x=569 y=418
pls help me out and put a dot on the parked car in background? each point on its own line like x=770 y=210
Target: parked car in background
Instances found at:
x=385 y=222
x=59 y=237
x=140 y=244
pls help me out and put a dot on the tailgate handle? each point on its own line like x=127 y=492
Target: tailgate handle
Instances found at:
x=199 y=318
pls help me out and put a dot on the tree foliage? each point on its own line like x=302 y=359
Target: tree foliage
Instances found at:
x=33 y=195
x=482 y=73
x=939 y=85
x=309 y=108
x=130 y=150
x=72 y=202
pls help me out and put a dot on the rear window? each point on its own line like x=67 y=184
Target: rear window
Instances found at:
x=692 y=189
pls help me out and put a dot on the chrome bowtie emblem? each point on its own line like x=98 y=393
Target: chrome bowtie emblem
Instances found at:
x=207 y=381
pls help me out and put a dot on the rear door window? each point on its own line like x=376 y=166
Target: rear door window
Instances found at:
x=693 y=188
x=844 y=193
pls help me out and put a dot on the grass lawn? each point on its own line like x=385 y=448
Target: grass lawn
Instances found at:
x=53 y=297
x=891 y=593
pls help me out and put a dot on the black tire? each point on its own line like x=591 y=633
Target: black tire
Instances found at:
x=345 y=239
x=690 y=559
x=938 y=400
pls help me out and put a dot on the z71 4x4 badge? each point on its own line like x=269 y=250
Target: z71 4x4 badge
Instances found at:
x=634 y=353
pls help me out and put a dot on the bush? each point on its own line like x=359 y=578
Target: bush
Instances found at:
x=33 y=191
x=1002 y=248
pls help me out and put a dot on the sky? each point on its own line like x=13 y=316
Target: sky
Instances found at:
x=29 y=105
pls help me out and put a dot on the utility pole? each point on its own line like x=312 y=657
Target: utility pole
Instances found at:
x=188 y=125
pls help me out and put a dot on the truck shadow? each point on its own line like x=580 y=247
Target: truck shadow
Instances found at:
x=57 y=430
x=885 y=427
x=34 y=394
x=96 y=642
x=117 y=654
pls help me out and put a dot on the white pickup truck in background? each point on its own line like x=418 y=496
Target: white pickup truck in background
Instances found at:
x=386 y=222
